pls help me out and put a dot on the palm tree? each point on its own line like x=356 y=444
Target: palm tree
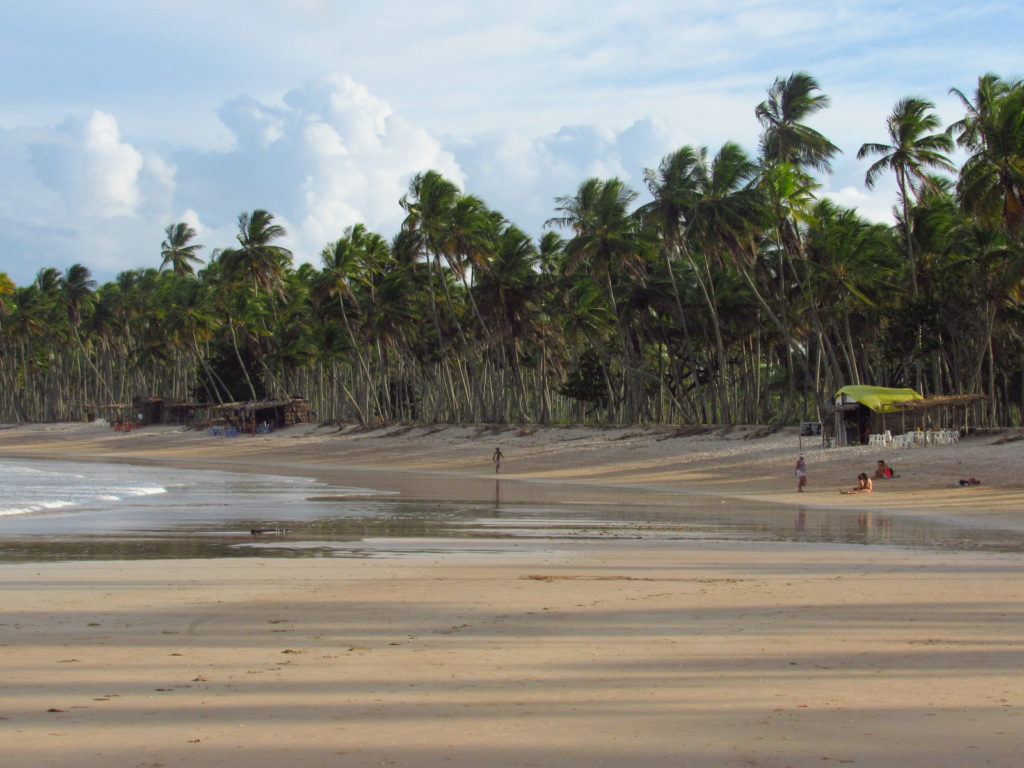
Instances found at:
x=343 y=262
x=430 y=206
x=507 y=293
x=178 y=254
x=262 y=264
x=605 y=237
x=788 y=148
x=991 y=182
x=723 y=225
x=76 y=288
x=48 y=281
x=675 y=187
x=258 y=261
x=915 y=146
x=784 y=137
x=22 y=345
x=608 y=242
x=851 y=267
x=6 y=287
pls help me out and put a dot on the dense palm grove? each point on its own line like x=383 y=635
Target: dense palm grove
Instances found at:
x=735 y=295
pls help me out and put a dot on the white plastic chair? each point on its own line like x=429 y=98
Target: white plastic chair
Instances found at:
x=906 y=440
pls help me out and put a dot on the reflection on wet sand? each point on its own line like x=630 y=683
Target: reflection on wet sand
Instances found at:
x=506 y=512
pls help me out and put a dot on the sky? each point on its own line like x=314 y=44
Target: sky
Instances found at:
x=120 y=117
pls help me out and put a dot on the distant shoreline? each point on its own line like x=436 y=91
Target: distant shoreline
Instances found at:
x=452 y=462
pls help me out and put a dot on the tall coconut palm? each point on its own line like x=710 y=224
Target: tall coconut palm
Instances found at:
x=789 y=148
x=261 y=264
x=343 y=264
x=22 y=335
x=784 y=137
x=610 y=243
x=506 y=293
x=916 y=145
x=430 y=206
x=258 y=261
x=991 y=182
x=723 y=225
x=76 y=288
x=851 y=264
x=48 y=281
x=178 y=251
x=606 y=239
x=675 y=188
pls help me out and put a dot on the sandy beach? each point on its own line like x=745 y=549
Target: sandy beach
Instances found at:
x=703 y=653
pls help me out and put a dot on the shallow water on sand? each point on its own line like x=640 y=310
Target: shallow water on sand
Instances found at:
x=54 y=511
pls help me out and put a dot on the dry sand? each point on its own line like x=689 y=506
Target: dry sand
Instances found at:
x=683 y=653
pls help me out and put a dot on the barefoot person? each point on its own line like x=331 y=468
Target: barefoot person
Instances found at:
x=864 y=484
x=801 y=474
x=498 y=456
x=883 y=470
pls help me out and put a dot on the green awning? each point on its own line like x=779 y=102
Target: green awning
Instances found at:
x=879 y=399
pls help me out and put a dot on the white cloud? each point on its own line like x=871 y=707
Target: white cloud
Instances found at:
x=871 y=206
x=329 y=155
x=85 y=161
x=521 y=176
x=111 y=166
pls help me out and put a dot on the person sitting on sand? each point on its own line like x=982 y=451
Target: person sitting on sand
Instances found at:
x=864 y=484
x=884 y=470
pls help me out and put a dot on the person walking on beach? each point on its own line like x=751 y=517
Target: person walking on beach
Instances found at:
x=498 y=456
x=801 y=474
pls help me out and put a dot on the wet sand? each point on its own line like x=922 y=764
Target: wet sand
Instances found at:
x=580 y=653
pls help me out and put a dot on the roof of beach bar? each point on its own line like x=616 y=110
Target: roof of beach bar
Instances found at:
x=879 y=399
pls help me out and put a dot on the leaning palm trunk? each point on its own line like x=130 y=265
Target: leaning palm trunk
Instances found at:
x=238 y=356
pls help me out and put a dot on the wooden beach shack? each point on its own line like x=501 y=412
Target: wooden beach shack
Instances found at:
x=863 y=410
x=272 y=414
x=162 y=410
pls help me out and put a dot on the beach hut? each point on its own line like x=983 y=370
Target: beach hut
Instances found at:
x=161 y=410
x=862 y=410
x=255 y=415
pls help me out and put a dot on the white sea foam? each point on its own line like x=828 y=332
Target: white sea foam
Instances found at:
x=42 y=506
x=147 y=491
x=40 y=487
x=53 y=497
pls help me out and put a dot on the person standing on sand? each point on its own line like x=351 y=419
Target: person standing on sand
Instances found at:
x=801 y=474
x=498 y=456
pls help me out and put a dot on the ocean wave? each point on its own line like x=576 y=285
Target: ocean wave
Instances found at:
x=38 y=506
x=127 y=493
x=146 y=490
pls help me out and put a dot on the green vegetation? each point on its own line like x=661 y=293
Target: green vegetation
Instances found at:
x=734 y=295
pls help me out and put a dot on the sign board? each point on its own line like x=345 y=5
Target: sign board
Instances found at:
x=810 y=429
